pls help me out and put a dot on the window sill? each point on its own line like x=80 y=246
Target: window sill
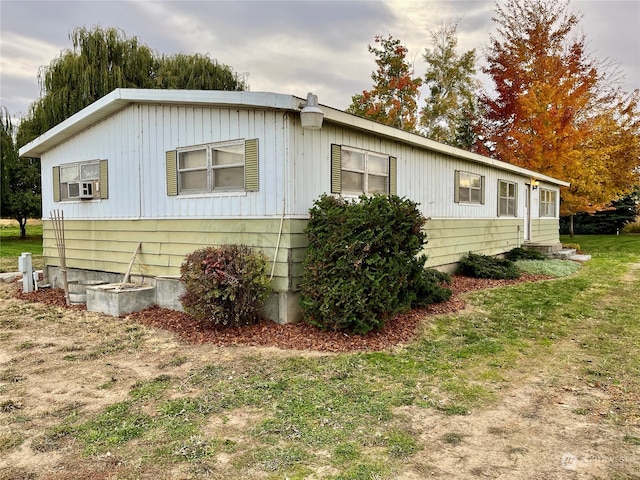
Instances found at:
x=211 y=194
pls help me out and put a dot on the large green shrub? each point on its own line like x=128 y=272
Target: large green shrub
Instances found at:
x=483 y=266
x=225 y=285
x=362 y=265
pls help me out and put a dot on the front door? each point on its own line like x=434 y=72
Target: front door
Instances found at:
x=527 y=214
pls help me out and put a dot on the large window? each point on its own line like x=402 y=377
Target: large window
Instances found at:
x=547 y=203
x=80 y=181
x=469 y=188
x=364 y=172
x=355 y=171
x=216 y=167
x=507 y=194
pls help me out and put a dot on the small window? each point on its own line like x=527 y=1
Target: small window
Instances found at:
x=507 y=198
x=358 y=171
x=81 y=180
x=469 y=188
x=226 y=166
x=547 y=203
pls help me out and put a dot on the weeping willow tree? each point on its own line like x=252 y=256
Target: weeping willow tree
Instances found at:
x=105 y=59
x=195 y=72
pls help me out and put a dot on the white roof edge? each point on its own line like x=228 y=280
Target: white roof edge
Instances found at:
x=121 y=97
x=354 y=121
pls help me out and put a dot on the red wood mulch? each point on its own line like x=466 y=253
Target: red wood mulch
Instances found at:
x=299 y=336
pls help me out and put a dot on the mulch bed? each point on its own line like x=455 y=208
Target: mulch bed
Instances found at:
x=298 y=336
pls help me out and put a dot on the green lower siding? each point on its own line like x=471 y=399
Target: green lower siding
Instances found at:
x=450 y=239
x=545 y=230
x=107 y=245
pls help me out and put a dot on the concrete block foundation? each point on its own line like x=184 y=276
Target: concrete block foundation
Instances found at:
x=280 y=307
x=116 y=300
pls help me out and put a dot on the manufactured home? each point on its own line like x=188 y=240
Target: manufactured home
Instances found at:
x=176 y=170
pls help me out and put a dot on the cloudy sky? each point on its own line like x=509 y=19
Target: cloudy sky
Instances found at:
x=288 y=47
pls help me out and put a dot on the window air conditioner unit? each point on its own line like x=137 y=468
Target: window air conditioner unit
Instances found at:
x=86 y=190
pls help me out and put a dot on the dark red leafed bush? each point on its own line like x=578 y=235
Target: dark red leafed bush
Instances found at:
x=225 y=285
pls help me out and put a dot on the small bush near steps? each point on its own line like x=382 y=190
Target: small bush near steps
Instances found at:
x=483 y=266
x=524 y=254
x=225 y=285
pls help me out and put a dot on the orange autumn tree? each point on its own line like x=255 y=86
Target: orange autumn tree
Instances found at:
x=556 y=110
x=611 y=156
x=393 y=100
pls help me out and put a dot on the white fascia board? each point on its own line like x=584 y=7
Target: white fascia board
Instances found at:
x=121 y=97
x=211 y=97
x=77 y=122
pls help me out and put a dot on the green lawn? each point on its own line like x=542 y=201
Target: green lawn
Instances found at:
x=12 y=246
x=339 y=414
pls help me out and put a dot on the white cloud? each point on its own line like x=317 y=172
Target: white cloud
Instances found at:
x=285 y=46
x=22 y=55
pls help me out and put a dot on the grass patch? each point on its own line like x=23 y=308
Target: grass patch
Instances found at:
x=344 y=412
x=150 y=389
x=10 y=441
x=116 y=425
x=632 y=440
x=555 y=268
x=452 y=438
x=401 y=444
x=12 y=246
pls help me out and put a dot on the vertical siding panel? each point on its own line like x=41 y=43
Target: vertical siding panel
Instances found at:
x=135 y=139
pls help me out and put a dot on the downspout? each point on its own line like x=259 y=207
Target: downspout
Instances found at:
x=284 y=191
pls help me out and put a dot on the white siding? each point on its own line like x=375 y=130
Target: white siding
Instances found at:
x=292 y=162
x=134 y=142
x=424 y=176
x=114 y=139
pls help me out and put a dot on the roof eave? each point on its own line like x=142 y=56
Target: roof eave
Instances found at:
x=121 y=97
x=353 y=121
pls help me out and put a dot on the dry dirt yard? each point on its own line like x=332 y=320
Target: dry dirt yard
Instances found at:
x=55 y=361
